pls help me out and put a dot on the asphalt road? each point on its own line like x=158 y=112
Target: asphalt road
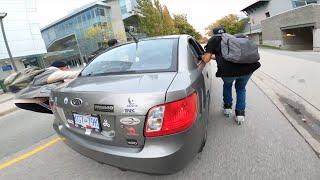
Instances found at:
x=265 y=147
x=22 y=129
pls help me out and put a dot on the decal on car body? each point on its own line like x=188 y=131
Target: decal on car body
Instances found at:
x=131 y=131
x=104 y=108
x=130 y=121
x=66 y=100
x=109 y=134
x=106 y=123
x=131 y=107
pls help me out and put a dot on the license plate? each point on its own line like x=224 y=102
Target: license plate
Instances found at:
x=86 y=121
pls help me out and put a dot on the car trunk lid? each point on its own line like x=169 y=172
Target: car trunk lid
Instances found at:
x=120 y=103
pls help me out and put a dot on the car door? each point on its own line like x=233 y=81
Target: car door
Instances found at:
x=204 y=93
x=197 y=50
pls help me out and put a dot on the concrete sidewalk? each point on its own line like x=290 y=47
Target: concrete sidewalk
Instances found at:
x=298 y=71
x=6 y=104
x=7 y=107
x=6 y=97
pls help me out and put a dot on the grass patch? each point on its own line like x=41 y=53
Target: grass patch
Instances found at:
x=269 y=47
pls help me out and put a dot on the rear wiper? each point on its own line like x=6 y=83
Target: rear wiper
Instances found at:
x=113 y=73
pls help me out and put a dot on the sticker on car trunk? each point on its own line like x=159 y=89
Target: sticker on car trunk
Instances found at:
x=130 y=121
x=104 y=108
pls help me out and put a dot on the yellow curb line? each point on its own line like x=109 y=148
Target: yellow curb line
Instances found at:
x=30 y=153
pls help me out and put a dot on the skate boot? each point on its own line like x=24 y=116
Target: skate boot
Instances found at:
x=227 y=110
x=240 y=117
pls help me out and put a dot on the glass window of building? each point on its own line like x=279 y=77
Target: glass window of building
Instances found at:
x=298 y=3
x=100 y=12
x=92 y=13
x=123 y=6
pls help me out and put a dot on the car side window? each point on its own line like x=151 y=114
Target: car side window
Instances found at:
x=196 y=50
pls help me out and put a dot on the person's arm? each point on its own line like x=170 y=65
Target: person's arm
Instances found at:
x=210 y=50
x=207 y=57
x=62 y=75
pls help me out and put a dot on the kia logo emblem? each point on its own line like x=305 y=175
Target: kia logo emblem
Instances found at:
x=76 y=102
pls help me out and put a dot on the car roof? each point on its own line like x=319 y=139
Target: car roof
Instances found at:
x=145 y=39
x=164 y=37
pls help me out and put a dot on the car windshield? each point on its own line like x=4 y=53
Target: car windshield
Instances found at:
x=158 y=55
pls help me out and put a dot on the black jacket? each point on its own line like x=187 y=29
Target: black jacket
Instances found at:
x=226 y=68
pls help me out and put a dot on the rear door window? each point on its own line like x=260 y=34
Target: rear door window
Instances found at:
x=155 y=55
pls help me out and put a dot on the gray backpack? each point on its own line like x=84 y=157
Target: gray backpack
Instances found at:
x=239 y=50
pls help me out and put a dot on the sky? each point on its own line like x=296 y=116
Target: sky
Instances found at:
x=200 y=13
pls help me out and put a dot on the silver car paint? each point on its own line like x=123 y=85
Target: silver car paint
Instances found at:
x=163 y=155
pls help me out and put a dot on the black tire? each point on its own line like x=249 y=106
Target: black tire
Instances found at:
x=204 y=139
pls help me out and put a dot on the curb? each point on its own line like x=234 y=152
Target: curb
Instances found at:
x=6 y=100
x=272 y=90
x=8 y=111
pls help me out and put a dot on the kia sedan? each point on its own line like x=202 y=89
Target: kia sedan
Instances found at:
x=140 y=106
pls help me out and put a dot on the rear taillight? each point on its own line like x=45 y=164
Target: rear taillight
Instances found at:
x=172 y=117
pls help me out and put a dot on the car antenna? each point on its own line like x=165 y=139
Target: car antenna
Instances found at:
x=128 y=30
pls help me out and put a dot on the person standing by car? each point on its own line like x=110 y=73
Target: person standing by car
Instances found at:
x=230 y=72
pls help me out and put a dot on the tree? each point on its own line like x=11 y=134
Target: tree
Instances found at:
x=94 y=33
x=184 y=27
x=231 y=23
x=168 y=22
x=154 y=19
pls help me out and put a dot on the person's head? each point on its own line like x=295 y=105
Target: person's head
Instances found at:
x=112 y=42
x=219 y=30
x=60 y=64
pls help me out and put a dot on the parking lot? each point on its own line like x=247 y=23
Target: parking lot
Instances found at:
x=265 y=147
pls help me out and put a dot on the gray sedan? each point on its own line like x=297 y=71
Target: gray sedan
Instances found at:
x=139 y=106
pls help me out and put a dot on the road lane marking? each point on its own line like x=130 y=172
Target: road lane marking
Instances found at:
x=30 y=153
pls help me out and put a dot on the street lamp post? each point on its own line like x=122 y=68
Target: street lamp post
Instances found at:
x=3 y=15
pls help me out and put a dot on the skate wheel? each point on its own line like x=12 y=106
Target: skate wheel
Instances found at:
x=239 y=123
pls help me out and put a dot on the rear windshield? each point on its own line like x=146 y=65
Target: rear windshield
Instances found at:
x=159 y=55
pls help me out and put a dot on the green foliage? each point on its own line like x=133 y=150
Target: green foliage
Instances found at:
x=155 y=20
x=93 y=33
x=232 y=23
x=184 y=27
x=152 y=20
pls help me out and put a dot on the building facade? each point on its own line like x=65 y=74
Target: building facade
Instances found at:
x=23 y=34
x=287 y=24
x=84 y=30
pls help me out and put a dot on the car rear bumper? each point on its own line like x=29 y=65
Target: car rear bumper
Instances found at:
x=161 y=155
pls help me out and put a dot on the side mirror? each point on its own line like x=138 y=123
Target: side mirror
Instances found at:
x=129 y=29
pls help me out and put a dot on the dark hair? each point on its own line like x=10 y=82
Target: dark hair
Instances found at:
x=59 y=64
x=219 y=30
x=112 y=42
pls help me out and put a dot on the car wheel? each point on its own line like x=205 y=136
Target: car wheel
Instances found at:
x=204 y=139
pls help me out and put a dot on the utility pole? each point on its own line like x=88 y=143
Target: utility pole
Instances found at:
x=3 y=15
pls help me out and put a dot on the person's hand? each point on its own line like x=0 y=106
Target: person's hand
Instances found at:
x=206 y=57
